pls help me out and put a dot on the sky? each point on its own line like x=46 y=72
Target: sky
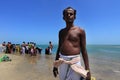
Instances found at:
x=39 y=21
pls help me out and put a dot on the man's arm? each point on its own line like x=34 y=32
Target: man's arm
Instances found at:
x=58 y=49
x=57 y=54
x=55 y=70
x=84 y=52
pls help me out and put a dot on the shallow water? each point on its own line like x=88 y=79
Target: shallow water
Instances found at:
x=25 y=67
x=104 y=64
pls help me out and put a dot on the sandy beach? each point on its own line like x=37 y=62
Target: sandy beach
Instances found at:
x=25 y=67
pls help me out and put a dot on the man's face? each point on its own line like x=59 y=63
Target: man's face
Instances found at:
x=69 y=15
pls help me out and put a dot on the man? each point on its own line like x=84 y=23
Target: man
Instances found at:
x=72 y=42
x=50 y=47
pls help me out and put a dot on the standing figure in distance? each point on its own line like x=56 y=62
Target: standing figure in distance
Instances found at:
x=72 y=42
x=50 y=47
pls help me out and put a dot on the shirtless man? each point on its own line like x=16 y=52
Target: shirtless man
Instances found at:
x=50 y=47
x=72 y=42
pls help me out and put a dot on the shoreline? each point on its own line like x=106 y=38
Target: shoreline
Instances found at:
x=26 y=67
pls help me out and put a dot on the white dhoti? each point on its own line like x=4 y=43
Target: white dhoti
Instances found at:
x=68 y=65
x=50 y=50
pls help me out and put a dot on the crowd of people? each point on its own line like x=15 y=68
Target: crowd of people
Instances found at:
x=24 y=48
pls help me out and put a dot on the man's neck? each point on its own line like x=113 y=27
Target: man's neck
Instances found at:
x=69 y=25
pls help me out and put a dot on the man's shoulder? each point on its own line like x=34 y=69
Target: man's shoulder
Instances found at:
x=62 y=29
x=79 y=28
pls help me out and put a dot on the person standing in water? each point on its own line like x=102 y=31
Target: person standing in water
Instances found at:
x=50 y=47
x=72 y=42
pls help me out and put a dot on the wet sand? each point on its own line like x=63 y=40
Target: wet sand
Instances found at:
x=25 y=67
x=105 y=69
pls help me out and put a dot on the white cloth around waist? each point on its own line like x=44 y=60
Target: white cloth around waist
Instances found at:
x=75 y=64
x=68 y=57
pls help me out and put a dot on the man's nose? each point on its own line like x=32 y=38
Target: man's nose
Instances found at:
x=68 y=14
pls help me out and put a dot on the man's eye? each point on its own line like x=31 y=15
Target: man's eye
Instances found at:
x=71 y=14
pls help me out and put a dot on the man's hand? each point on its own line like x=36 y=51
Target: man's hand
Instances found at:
x=55 y=71
x=88 y=76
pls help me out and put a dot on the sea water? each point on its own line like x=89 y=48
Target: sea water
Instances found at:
x=104 y=60
x=100 y=51
x=107 y=52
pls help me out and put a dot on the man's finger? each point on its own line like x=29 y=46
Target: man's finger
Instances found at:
x=55 y=74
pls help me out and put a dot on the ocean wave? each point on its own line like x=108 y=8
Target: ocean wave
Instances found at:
x=109 y=51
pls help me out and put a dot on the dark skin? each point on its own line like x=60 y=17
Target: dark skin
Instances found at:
x=72 y=41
